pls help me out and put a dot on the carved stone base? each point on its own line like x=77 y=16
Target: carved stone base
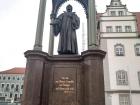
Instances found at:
x=64 y=79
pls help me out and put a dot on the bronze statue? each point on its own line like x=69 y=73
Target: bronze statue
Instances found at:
x=66 y=24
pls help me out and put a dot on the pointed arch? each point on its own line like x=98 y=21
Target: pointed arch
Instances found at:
x=56 y=4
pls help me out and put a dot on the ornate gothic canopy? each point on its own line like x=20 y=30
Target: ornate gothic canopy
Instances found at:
x=57 y=3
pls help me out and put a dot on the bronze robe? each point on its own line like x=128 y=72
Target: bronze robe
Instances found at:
x=66 y=24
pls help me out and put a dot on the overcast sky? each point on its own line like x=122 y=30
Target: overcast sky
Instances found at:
x=18 y=19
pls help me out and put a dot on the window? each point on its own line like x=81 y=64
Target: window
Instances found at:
x=22 y=78
x=118 y=28
x=137 y=49
x=119 y=50
x=2 y=85
x=8 y=78
x=122 y=78
x=17 y=78
x=109 y=29
x=128 y=29
x=15 y=98
x=12 y=86
x=120 y=13
x=17 y=88
x=0 y=94
x=21 y=86
x=116 y=4
x=11 y=95
x=112 y=13
x=4 y=78
x=20 y=95
x=7 y=88
x=124 y=99
x=13 y=78
x=139 y=77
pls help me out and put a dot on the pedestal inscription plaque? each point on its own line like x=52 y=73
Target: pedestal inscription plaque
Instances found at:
x=64 y=85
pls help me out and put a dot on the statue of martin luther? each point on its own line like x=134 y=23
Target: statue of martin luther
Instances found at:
x=65 y=25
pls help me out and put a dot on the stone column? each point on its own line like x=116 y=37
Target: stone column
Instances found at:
x=51 y=39
x=40 y=26
x=91 y=25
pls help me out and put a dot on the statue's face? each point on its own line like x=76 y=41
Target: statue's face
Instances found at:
x=69 y=8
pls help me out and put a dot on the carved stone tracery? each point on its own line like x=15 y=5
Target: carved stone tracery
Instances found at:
x=56 y=4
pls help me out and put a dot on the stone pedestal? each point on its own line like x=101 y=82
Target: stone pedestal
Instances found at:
x=64 y=79
x=93 y=77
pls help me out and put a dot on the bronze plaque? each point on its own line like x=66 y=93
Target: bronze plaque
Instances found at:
x=64 y=86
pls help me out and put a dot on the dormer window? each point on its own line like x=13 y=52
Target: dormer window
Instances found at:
x=109 y=29
x=116 y=4
x=118 y=28
x=120 y=13
x=128 y=29
x=113 y=13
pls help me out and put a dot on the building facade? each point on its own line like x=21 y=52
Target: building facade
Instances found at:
x=119 y=37
x=11 y=85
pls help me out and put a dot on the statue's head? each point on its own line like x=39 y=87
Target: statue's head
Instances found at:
x=69 y=8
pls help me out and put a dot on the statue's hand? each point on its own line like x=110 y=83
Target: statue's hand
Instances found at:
x=56 y=21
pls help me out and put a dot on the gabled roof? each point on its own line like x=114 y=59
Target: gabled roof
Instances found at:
x=116 y=3
x=137 y=14
x=16 y=70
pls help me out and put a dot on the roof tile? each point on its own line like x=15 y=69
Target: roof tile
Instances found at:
x=15 y=70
